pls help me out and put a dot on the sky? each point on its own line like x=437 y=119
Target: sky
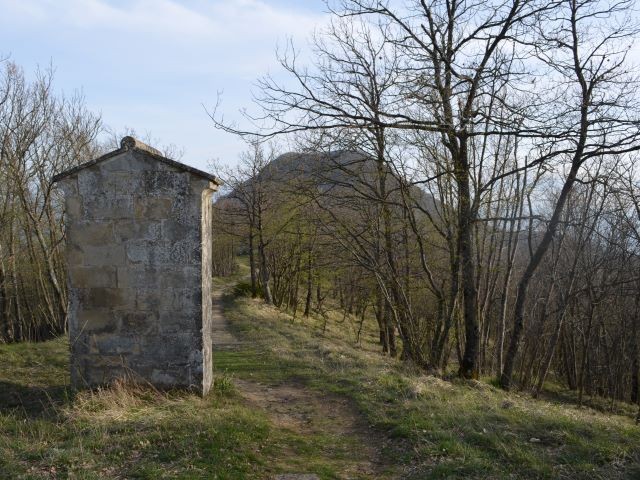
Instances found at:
x=155 y=65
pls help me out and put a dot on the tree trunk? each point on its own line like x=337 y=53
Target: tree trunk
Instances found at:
x=307 y=303
x=523 y=286
x=252 y=265
x=264 y=274
x=469 y=364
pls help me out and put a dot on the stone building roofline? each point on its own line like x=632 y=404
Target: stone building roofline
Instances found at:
x=128 y=144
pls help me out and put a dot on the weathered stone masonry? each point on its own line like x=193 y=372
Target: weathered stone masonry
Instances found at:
x=138 y=246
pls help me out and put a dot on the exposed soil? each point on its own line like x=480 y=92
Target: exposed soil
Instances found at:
x=304 y=411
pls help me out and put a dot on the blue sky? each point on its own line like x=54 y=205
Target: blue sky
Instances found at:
x=150 y=65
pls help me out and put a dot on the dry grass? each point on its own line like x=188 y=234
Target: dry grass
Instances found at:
x=446 y=429
x=457 y=429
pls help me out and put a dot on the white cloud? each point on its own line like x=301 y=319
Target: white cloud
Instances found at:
x=241 y=19
x=166 y=34
x=253 y=18
x=161 y=16
x=151 y=64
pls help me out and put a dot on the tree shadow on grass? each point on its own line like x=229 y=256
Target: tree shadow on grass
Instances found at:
x=32 y=401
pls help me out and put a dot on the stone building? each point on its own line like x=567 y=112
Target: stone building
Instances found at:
x=138 y=250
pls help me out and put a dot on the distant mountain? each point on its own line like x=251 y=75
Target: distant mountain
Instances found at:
x=339 y=171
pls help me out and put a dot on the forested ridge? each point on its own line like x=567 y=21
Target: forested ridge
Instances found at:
x=466 y=177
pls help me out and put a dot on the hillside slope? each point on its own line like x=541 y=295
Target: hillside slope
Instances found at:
x=337 y=174
x=295 y=397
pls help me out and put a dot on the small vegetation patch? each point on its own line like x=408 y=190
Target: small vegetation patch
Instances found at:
x=223 y=385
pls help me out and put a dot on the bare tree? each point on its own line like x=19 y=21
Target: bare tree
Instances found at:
x=581 y=44
x=41 y=134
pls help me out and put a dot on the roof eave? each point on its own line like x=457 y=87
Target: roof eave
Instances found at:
x=129 y=144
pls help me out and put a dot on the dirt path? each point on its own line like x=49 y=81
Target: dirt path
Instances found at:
x=304 y=411
x=295 y=407
x=223 y=339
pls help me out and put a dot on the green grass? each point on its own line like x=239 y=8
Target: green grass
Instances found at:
x=133 y=432
x=455 y=429
x=122 y=432
x=432 y=428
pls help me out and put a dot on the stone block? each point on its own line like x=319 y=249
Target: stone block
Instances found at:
x=103 y=182
x=177 y=322
x=185 y=252
x=90 y=183
x=195 y=357
x=115 y=298
x=90 y=277
x=171 y=349
x=185 y=275
x=106 y=255
x=72 y=307
x=73 y=206
x=141 y=276
x=164 y=378
x=149 y=299
x=186 y=300
x=139 y=251
x=91 y=234
x=152 y=208
x=138 y=277
x=74 y=254
x=124 y=183
x=80 y=344
x=185 y=210
x=140 y=323
x=103 y=375
x=98 y=320
x=69 y=186
x=165 y=183
x=149 y=253
x=112 y=344
x=118 y=163
x=163 y=254
x=108 y=207
x=143 y=160
x=174 y=231
x=131 y=229
x=110 y=361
